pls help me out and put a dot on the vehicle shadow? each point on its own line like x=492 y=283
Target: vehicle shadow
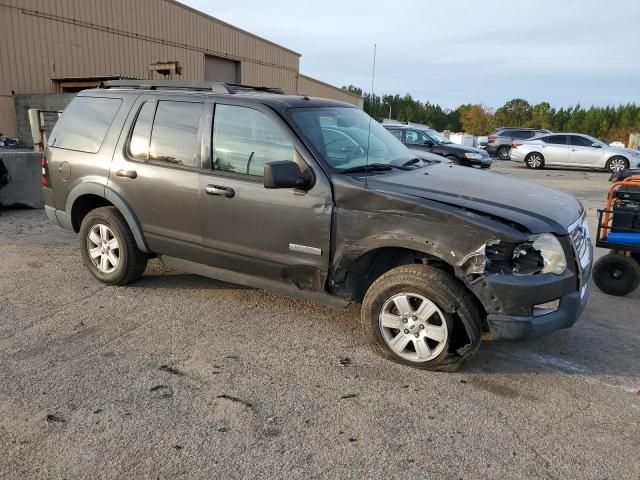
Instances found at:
x=595 y=346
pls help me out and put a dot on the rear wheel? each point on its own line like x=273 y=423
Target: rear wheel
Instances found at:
x=421 y=316
x=617 y=164
x=616 y=274
x=108 y=248
x=503 y=153
x=534 y=160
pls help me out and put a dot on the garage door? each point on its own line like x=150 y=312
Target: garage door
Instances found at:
x=221 y=69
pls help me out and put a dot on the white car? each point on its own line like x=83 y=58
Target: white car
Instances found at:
x=573 y=150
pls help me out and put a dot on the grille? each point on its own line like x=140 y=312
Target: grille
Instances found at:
x=581 y=241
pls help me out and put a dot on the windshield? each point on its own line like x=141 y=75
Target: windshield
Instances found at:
x=438 y=137
x=340 y=135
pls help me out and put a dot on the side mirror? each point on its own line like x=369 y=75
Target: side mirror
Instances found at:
x=284 y=174
x=596 y=145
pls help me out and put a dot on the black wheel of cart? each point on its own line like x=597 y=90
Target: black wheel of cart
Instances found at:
x=616 y=274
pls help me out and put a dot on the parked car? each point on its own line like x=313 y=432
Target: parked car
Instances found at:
x=500 y=140
x=573 y=150
x=312 y=198
x=429 y=140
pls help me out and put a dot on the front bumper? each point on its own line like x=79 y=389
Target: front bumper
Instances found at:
x=484 y=162
x=511 y=327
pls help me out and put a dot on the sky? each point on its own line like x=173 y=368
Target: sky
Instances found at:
x=452 y=52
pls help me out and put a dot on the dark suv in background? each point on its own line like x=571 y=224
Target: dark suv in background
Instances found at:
x=429 y=140
x=313 y=198
x=500 y=140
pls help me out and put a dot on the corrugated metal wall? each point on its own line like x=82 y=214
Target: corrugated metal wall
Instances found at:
x=315 y=88
x=45 y=39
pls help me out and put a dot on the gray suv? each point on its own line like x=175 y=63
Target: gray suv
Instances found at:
x=312 y=198
x=500 y=140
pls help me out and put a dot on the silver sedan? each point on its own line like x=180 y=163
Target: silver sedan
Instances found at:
x=573 y=150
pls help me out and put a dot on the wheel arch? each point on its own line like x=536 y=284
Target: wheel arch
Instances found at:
x=88 y=196
x=375 y=262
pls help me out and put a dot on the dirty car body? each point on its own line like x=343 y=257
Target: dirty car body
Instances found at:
x=320 y=203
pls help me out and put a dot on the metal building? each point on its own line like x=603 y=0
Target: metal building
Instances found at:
x=61 y=46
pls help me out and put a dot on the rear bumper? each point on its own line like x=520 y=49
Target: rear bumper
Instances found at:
x=509 y=327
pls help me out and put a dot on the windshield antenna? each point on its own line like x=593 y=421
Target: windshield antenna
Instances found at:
x=373 y=76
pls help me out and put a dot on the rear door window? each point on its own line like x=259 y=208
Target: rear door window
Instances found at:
x=521 y=134
x=245 y=139
x=84 y=124
x=141 y=135
x=174 y=133
x=556 y=139
x=396 y=132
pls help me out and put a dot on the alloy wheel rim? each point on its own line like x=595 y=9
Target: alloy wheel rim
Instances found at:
x=535 y=161
x=617 y=165
x=503 y=153
x=413 y=327
x=103 y=248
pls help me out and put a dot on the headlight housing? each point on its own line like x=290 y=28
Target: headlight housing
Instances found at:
x=473 y=156
x=540 y=254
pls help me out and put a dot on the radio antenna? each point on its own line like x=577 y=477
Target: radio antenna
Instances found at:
x=373 y=76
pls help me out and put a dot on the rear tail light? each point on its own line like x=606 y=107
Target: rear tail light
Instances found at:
x=515 y=145
x=45 y=171
x=491 y=139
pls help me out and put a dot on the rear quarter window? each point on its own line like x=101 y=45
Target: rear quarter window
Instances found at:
x=84 y=124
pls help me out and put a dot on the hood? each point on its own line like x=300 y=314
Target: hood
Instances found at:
x=539 y=209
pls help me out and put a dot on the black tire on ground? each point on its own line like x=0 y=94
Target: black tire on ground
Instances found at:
x=617 y=164
x=616 y=274
x=454 y=159
x=503 y=153
x=461 y=314
x=534 y=160
x=132 y=262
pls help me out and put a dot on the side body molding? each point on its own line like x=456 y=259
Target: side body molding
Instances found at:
x=110 y=195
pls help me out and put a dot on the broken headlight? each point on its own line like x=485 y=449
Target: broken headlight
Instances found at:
x=541 y=254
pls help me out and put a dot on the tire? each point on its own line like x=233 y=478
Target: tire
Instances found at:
x=451 y=332
x=454 y=159
x=105 y=233
x=503 y=153
x=616 y=274
x=617 y=164
x=534 y=160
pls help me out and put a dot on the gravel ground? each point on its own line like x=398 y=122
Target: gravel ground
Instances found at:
x=178 y=376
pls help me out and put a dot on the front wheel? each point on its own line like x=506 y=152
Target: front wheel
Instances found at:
x=421 y=316
x=616 y=274
x=534 y=160
x=617 y=164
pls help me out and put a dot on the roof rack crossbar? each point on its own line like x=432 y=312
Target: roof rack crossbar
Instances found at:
x=215 y=87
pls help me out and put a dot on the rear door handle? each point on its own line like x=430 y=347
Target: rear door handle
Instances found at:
x=220 y=191
x=127 y=173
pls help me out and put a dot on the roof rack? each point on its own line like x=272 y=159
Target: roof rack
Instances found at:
x=215 y=87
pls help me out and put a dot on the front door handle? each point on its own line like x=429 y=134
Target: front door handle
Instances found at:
x=127 y=173
x=220 y=191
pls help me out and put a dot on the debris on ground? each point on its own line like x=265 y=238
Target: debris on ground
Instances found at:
x=345 y=362
x=349 y=395
x=171 y=370
x=162 y=391
x=236 y=399
x=54 y=418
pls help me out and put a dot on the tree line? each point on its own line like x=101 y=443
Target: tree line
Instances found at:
x=610 y=123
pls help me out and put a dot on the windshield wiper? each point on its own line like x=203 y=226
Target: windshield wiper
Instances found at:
x=372 y=167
